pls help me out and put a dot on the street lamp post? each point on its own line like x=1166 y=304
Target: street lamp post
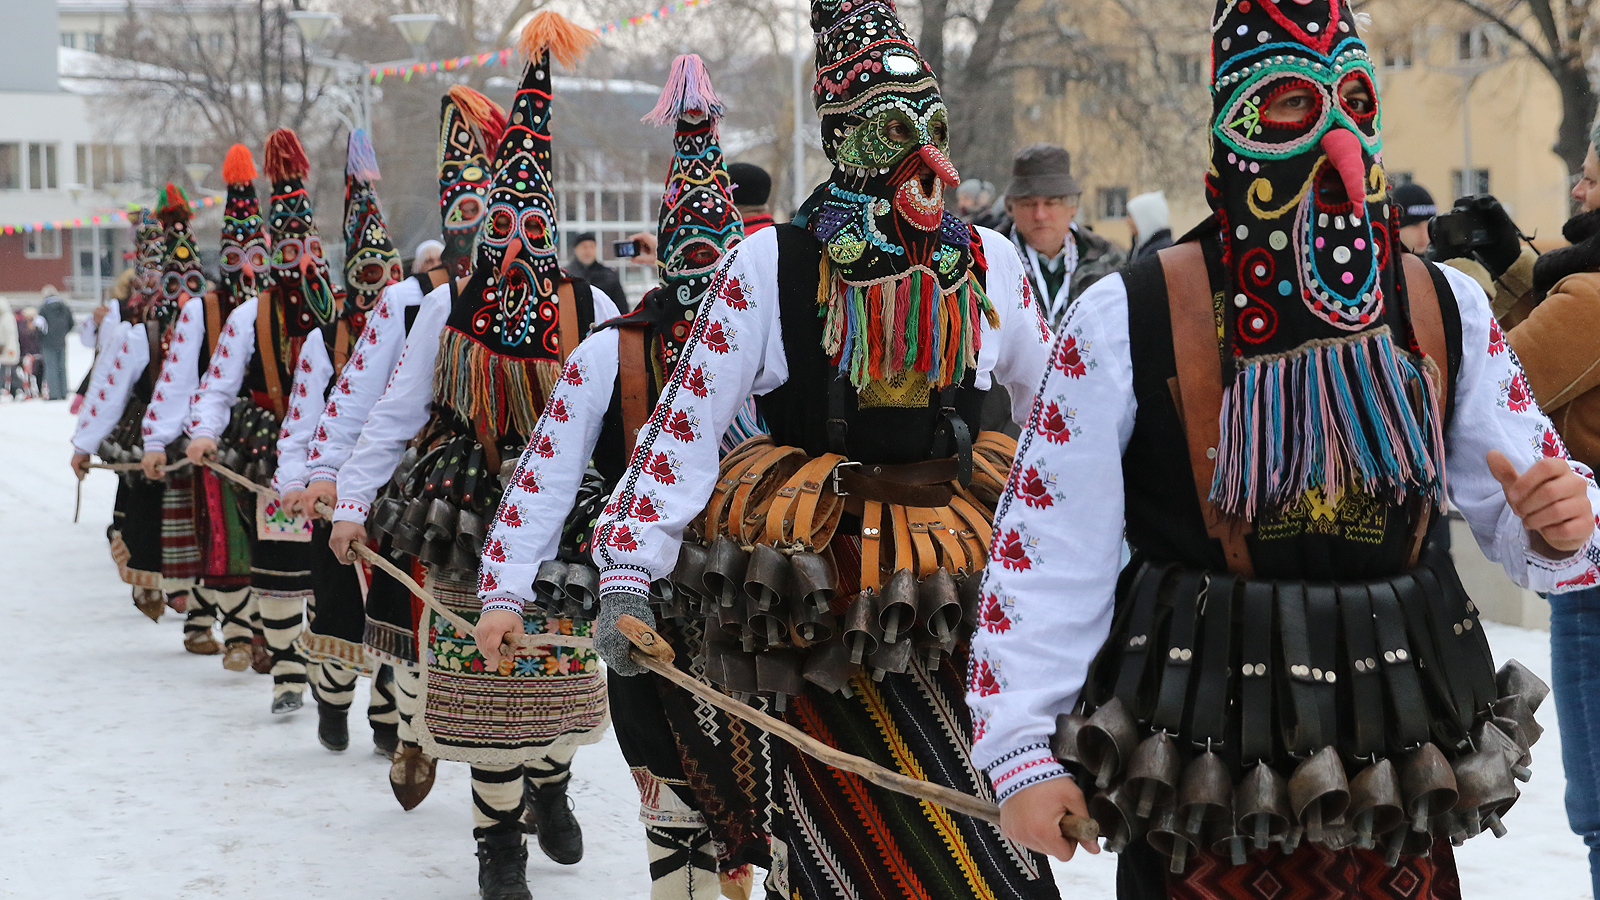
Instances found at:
x=315 y=27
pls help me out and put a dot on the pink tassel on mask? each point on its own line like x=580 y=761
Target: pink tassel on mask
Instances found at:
x=688 y=90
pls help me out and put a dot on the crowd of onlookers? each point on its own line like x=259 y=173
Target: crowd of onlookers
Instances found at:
x=33 y=348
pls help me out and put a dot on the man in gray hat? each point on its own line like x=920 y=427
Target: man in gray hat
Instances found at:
x=1061 y=258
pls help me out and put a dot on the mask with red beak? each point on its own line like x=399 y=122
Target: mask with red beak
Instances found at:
x=370 y=261
x=502 y=343
x=1311 y=271
x=244 y=242
x=894 y=254
x=300 y=278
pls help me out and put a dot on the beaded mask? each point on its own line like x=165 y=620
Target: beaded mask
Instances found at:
x=469 y=122
x=244 y=243
x=299 y=271
x=895 y=255
x=1311 y=268
x=370 y=261
x=181 y=275
x=149 y=247
x=699 y=221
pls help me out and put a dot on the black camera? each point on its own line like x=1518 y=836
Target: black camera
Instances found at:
x=1466 y=227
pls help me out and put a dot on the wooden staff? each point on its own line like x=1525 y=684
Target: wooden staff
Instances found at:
x=653 y=652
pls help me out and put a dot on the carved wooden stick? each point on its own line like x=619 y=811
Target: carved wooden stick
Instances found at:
x=653 y=652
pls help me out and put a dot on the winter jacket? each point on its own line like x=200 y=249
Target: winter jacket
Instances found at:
x=1097 y=258
x=1559 y=346
x=601 y=278
x=1158 y=240
x=27 y=334
x=10 y=348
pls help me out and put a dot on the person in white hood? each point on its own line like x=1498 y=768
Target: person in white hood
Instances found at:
x=1147 y=217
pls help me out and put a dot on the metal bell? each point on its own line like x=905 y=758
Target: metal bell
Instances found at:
x=437 y=553
x=668 y=599
x=1428 y=785
x=1205 y=795
x=895 y=657
x=939 y=606
x=470 y=532
x=582 y=594
x=969 y=589
x=408 y=534
x=441 y=521
x=463 y=562
x=690 y=572
x=862 y=633
x=1106 y=741
x=725 y=565
x=828 y=666
x=1261 y=806
x=386 y=515
x=814 y=580
x=731 y=669
x=729 y=622
x=897 y=606
x=1515 y=678
x=1227 y=842
x=767 y=627
x=1113 y=811
x=1518 y=709
x=550 y=585
x=1168 y=838
x=778 y=672
x=1484 y=784
x=1512 y=743
x=1375 y=805
x=1319 y=792
x=810 y=625
x=403 y=469
x=1153 y=772
x=1064 y=743
x=767 y=577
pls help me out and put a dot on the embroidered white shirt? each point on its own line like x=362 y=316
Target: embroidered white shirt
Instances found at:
x=168 y=411
x=110 y=384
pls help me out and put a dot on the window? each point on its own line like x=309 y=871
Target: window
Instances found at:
x=1191 y=68
x=1472 y=44
x=91 y=41
x=217 y=41
x=1114 y=76
x=42 y=167
x=68 y=39
x=1055 y=82
x=10 y=167
x=1397 y=56
x=100 y=165
x=45 y=244
x=1398 y=178
x=1111 y=202
x=1477 y=184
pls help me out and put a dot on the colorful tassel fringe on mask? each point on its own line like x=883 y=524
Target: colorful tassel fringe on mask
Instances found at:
x=503 y=394
x=1338 y=414
x=875 y=331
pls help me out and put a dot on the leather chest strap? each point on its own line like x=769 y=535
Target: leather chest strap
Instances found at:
x=213 y=320
x=264 y=350
x=633 y=377
x=1427 y=326
x=1199 y=388
x=570 y=335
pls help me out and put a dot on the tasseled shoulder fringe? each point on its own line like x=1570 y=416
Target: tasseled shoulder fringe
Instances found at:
x=501 y=394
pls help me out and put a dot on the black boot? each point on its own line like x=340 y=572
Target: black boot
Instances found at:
x=549 y=814
x=385 y=739
x=333 y=726
x=503 y=867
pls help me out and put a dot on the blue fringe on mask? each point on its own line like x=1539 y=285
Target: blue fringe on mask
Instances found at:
x=1336 y=414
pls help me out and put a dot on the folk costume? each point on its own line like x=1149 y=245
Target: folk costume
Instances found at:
x=109 y=424
x=829 y=561
x=247 y=392
x=702 y=777
x=223 y=511
x=1286 y=685
x=332 y=642
x=484 y=362
x=469 y=132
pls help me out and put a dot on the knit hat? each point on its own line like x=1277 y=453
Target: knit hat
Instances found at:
x=244 y=243
x=1414 y=202
x=181 y=275
x=371 y=262
x=300 y=278
x=699 y=221
x=752 y=186
x=470 y=127
x=900 y=302
x=1149 y=213
x=501 y=347
x=1311 y=270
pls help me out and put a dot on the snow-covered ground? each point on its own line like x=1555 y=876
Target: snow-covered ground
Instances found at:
x=130 y=769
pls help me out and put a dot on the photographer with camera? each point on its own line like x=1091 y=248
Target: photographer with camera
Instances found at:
x=1550 y=307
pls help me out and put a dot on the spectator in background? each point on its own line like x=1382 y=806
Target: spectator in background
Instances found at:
x=586 y=264
x=10 y=349
x=1060 y=257
x=1150 y=223
x=973 y=200
x=752 y=189
x=429 y=256
x=26 y=382
x=1417 y=210
x=58 y=322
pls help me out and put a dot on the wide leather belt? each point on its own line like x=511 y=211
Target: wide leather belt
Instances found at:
x=926 y=484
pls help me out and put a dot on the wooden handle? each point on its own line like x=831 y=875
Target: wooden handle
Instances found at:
x=1078 y=828
x=646 y=639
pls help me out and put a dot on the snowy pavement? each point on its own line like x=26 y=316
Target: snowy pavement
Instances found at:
x=130 y=769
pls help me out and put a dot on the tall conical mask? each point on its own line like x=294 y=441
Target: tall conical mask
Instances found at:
x=149 y=246
x=470 y=128
x=895 y=255
x=501 y=351
x=244 y=242
x=699 y=221
x=1311 y=269
x=181 y=275
x=370 y=261
x=300 y=277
